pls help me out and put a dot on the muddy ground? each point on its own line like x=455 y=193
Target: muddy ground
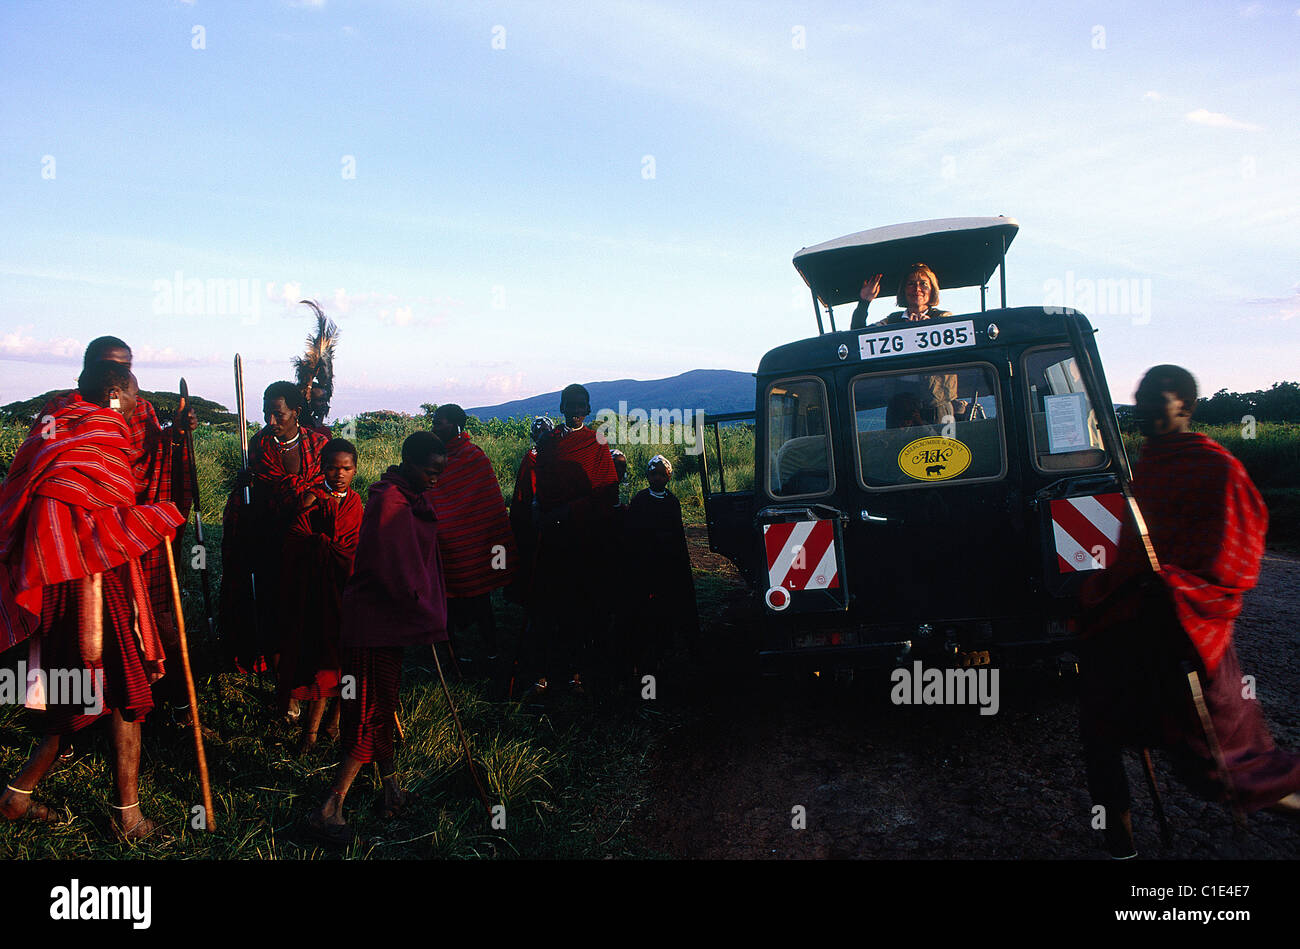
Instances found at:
x=883 y=781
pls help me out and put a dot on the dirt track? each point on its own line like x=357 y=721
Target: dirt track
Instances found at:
x=883 y=781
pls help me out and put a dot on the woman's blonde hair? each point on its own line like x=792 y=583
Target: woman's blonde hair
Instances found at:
x=925 y=272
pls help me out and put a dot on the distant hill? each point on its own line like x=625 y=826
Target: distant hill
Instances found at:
x=712 y=390
x=164 y=404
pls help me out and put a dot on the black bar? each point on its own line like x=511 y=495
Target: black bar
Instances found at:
x=1002 y=271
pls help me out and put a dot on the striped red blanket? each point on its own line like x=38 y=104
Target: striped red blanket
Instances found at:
x=473 y=526
x=160 y=461
x=575 y=469
x=68 y=510
x=1207 y=524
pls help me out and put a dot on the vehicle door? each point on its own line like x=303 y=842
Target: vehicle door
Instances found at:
x=1079 y=504
x=800 y=528
x=937 y=529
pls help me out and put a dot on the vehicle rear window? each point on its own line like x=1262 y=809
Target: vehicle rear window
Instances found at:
x=915 y=428
x=1063 y=424
x=798 y=439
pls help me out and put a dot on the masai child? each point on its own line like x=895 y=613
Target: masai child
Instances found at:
x=317 y=563
x=663 y=589
x=394 y=599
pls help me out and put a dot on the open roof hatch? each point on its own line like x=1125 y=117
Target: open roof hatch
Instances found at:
x=962 y=252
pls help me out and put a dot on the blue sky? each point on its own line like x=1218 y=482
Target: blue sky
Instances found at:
x=618 y=193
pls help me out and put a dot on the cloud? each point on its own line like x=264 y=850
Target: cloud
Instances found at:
x=1279 y=308
x=1152 y=96
x=310 y=4
x=18 y=345
x=151 y=357
x=1221 y=121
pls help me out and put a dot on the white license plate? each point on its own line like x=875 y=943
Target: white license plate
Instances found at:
x=917 y=338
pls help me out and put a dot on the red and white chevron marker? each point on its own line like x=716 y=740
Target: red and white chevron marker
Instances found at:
x=801 y=555
x=1086 y=531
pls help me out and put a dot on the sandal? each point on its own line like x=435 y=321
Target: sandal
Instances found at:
x=142 y=829
x=34 y=810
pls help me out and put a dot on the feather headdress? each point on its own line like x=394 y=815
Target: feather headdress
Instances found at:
x=315 y=368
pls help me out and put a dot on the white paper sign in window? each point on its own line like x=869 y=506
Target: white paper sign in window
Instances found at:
x=1067 y=422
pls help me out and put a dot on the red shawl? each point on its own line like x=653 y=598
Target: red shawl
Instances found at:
x=1207 y=524
x=68 y=510
x=396 y=595
x=277 y=495
x=575 y=468
x=472 y=522
x=160 y=462
x=253 y=539
x=317 y=563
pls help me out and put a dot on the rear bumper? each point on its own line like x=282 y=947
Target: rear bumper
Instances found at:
x=892 y=654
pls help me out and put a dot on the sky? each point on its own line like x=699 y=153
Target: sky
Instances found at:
x=497 y=199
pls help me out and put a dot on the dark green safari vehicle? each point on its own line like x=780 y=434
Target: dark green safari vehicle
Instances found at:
x=935 y=488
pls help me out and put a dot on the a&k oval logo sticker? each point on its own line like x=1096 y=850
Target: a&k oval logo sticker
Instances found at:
x=934 y=458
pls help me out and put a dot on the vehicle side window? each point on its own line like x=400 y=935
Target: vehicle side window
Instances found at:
x=921 y=427
x=1064 y=427
x=798 y=439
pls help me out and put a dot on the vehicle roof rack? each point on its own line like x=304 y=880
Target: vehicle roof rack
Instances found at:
x=962 y=252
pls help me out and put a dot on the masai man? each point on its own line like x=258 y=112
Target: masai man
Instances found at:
x=317 y=563
x=1207 y=524
x=394 y=599
x=577 y=489
x=71 y=539
x=285 y=479
x=478 y=549
x=161 y=463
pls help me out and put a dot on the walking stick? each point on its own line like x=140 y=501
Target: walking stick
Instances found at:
x=1166 y=836
x=198 y=532
x=248 y=500
x=469 y=759
x=1212 y=740
x=210 y=817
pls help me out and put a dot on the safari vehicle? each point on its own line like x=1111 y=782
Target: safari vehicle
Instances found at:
x=938 y=488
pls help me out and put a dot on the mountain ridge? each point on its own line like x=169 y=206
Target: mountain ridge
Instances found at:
x=710 y=390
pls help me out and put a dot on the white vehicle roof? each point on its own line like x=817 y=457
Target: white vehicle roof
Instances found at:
x=962 y=252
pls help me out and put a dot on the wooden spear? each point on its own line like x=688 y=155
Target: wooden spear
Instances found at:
x=210 y=818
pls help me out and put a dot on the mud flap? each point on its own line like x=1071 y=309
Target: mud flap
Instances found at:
x=1080 y=534
x=804 y=559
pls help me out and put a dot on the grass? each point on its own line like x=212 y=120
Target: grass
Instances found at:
x=571 y=780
